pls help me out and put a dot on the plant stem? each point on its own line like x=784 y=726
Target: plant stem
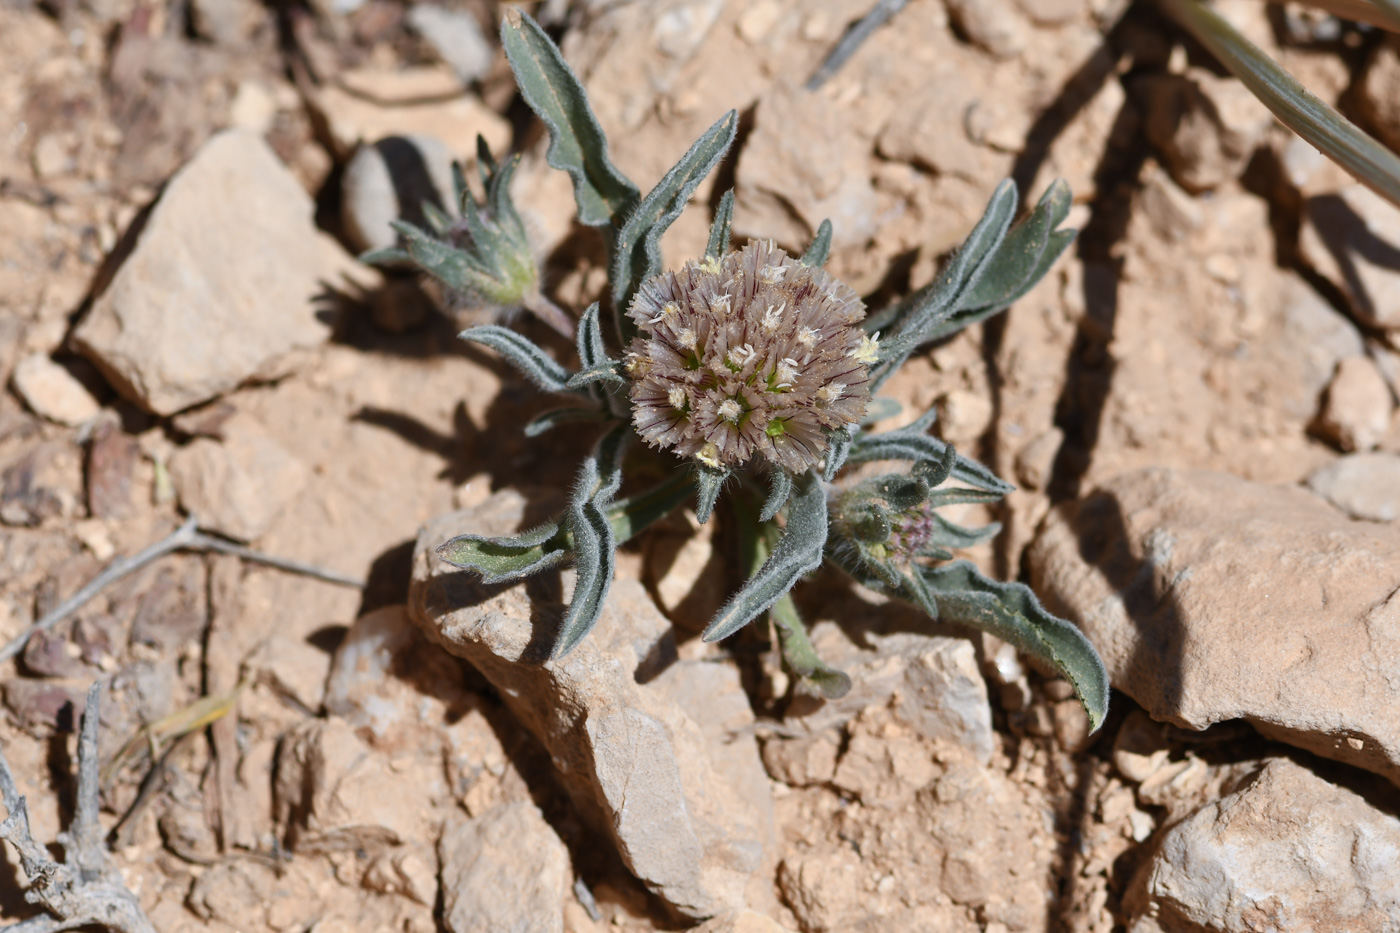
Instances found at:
x=549 y=312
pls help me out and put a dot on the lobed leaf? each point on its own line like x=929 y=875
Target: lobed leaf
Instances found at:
x=1011 y=612
x=798 y=552
x=591 y=533
x=577 y=144
x=1022 y=253
x=533 y=362
x=636 y=249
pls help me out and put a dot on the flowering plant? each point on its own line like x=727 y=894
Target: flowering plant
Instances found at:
x=750 y=366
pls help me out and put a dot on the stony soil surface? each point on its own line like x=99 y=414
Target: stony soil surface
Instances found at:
x=1198 y=406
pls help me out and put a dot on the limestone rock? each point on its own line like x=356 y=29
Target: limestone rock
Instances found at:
x=504 y=870
x=1357 y=411
x=221 y=284
x=389 y=180
x=652 y=750
x=1288 y=851
x=800 y=166
x=456 y=37
x=744 y=921
x=995 y=25
x=52 y=391
x=1380 y=93
x=239 y=485
x=1364 y=486
x=1207 y=126
x=931 y=681
x=1214 y=598
x=1352 y=238
x=374 y=104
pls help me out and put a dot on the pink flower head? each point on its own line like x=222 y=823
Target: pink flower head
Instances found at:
x=751 y=354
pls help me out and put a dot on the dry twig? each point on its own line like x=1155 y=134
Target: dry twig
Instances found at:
x=84 y=889
x=187 y=537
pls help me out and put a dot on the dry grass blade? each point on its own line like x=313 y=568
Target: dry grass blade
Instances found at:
x=1298 y=108
x=158 y=735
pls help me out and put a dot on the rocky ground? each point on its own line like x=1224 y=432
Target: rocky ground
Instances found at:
x=1198 y=407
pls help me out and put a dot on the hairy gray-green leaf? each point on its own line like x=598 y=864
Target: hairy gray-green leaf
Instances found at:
x=708 y=482
x=605 y=373
x=531 y=360
x=576 y=141
x=718 y=244
x=1023 y=253
x=591 y=351
x=548 y=420
x=838 y=447
x=798 y=552
x=820 y=247
x=503 y=559
x=910 y=444
x=594 y=544
x=1011 y=612
x=778 y=493
x=636 y=250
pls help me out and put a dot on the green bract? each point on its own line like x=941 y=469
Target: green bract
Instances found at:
x=752 y=371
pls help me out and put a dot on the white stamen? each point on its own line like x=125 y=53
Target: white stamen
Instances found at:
x=772 y=275
x=785 y=373
x=686 y=338
x=729 y=410
x=807 y=336
x=832 y=392
x=677 y=397
x=773 y=317
x=868 y=351
x=719 y=304
x=740 y=356
x=667 y=310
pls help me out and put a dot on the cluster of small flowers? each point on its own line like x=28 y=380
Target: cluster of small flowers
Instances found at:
x=911 y=533
x=754 y=354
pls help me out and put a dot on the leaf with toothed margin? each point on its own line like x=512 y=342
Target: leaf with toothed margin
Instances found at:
x=533 y=362
x=820 y=248
x=777 y=494
x=719 y=227
x=502 y=559
x=577 y=144
x=1011 y=612
x=910 y=444
x=798 y=552
x=548 y=420
x=708 y=482
x=594 y=543
x=636 y=249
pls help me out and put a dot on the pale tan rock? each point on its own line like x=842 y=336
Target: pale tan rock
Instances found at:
x=1213 y=598
x=239 y=485
x=293 y=668
x=1207 y=126
x=1351 y=238
x=505 y=870
x=653 y=751
x=744 y=921
x=388 y=180
x=801 y=165
x=995 y=25
x=1288 y=851
x=822 y=887
x=335 y=794
x=1364 y=486
x=1380 y=93
x=1356 y=414
x=52 y=391
x=221 y=285
x=931 y=682
x=413 y=102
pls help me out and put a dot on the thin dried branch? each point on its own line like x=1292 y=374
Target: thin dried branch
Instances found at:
x=187 y=537
x=84 y=889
